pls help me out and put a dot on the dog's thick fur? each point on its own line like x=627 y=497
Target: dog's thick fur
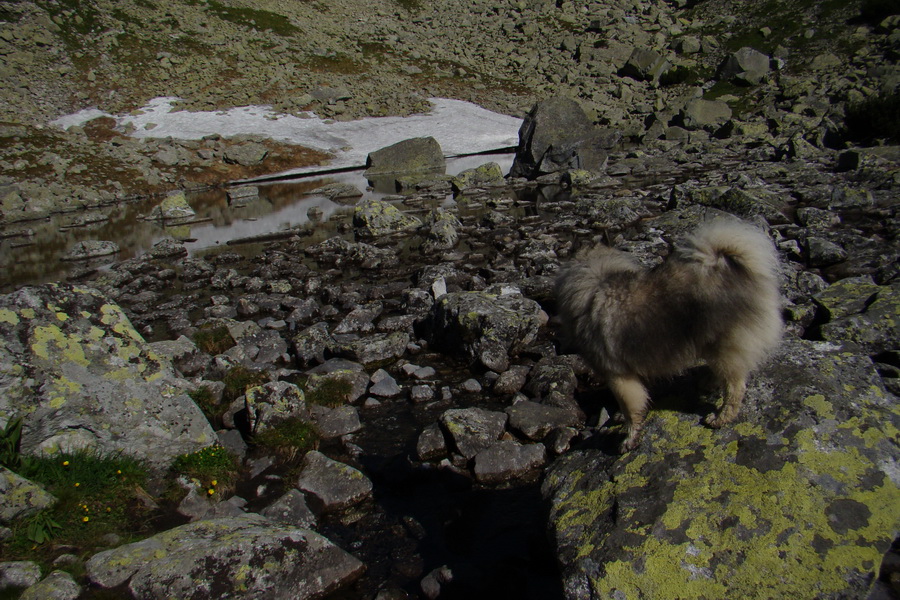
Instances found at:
x=715 y=298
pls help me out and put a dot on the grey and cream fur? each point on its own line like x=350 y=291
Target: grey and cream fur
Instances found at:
x=714 y=299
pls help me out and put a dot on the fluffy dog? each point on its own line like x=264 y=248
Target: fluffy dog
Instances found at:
x=715 y=298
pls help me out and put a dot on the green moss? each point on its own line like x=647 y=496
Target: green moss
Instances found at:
x=261 y=20
x=291 y=438
x=238 y=379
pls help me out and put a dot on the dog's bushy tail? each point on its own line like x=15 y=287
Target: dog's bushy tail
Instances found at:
x=730 y=245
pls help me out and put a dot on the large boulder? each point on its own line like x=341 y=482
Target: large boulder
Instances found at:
x=557 y=136
x=485 y=326
x=796 y=499
x=747 y=66
x=645 y=65
x=416 y=155
x=79 y=373
x=376 y=218
x=246 y=556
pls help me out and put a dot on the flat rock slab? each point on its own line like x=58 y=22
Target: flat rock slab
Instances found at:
x=332 y=485
x=508 y=460
x=473 y=429
x=797 y=499
x=74 y=367
x=247 y=557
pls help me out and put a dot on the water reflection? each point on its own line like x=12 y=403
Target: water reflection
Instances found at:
x=280 y=207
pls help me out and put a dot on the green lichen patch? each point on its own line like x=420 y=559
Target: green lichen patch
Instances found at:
x=791 y=502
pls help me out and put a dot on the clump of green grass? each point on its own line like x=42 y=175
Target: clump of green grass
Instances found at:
x=214 y=467
x=239 y=379
x=204 y=398
x=327 y=391
x=97 y=495
x=214 y=339
x=291 y=438
x=253 y=18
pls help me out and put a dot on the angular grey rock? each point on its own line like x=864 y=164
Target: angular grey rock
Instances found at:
x=487 y=327
x=535 y=420
x=847 y=297
x=486 y=174
x=645 y=65
x=507 y=460
x=376 y=218
x=557 y=135
x=384 y=385
x=512 y=380
x=332 y=485
x=247 y=154
x=876 y=329
x=705 y=114
x=416 y=155
x=333 y=423
x=58 y=585
x=360 y=319
x=473 y=429
x=746 y=66
x=167 y=248
x=431 y=443
x=342 y=193
x=817 y=427
x=310 y=344
x=73 y=365
x=291 y=509
x=822 y=252
x=241 y=195
x=443 y=231
x=184 y=354
x=212 y=557
x=374 y=348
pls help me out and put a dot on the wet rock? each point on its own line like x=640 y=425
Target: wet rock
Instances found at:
x=472 y=430
x=486 y=174
x=174 y=207
x=341 y=193
x=290 y=509
x=746 y=66
x=242 y=195
x=247 y=154
x=384 y=385
x=375 y=218
x=79 y=373
x=507 y=460
x=484 y=325
x=816 y=429
x=211 y=557
x=88 y=249
x=557 y=135
x=18 y=574
x=332 y=485
x=416 y=155
x=512 y=380
x=535 y=421
x=168 y=248
x=58 y=585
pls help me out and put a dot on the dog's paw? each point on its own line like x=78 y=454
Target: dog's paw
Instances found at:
x=630 y=443
x=715 y=421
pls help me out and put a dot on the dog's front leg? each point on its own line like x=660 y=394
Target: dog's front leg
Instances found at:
x=735 y=388
x=634 y=400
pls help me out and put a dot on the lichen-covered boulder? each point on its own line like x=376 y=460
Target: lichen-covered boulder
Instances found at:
x=486 y=174
x=797 y=499
x=20 y=497
x=173 y=207
x=747 y=66
x=487 y=326
x=705 y=114
x=876 y=327
x=375 y=218
x=246 y=557
x=332 y=485
x=76 y=370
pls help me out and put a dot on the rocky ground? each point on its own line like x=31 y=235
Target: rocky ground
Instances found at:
x=437 y=318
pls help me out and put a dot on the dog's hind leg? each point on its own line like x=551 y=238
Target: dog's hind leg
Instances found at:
x=634 y=400
x=735 y=388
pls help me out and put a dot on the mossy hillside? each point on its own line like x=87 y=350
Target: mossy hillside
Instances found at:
x=791 y=501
